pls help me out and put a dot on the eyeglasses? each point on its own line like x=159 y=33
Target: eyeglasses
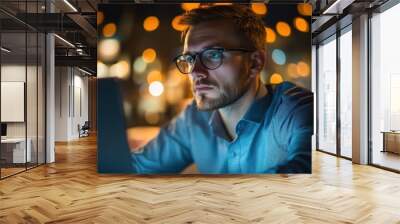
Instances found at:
x=210 y=58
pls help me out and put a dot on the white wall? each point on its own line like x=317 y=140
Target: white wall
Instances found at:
x=71 y=94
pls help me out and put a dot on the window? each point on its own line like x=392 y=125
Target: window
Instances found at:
x=346 y=94
x=327 y=96
x=385 y=88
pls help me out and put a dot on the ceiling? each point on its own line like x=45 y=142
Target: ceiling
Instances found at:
x=76 y=23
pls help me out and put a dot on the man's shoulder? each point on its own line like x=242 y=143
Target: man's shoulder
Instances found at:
x=292 y=93
x=290 y=97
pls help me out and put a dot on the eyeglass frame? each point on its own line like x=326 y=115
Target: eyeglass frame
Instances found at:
x=199 y=55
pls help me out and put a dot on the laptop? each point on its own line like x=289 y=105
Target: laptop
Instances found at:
x=3 y=131
x=113 y=153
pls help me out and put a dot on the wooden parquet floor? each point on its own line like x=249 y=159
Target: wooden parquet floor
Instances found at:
x=71 y=191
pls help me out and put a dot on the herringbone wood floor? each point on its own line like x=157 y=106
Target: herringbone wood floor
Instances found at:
x=70 y=191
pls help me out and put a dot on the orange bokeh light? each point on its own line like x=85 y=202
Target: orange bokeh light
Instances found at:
x=190 y=6
x=303 y=69
x=275 y=78
x=301 y=24
x=259 y=8
x=175 y=24
x=283 y=29
x=100 y=17
x=151 y=23
x=223 y=3
x=292 y=70
x=304 y=9
x=153 y=76
x=270 y=35
x=109 y=30
x=149 y=55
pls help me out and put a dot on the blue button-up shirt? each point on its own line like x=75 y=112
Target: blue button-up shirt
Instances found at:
x=274 y=136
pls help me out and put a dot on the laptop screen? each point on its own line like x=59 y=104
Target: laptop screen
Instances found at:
x=3 y=129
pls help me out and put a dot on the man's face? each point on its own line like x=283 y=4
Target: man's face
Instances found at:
x=220 y=87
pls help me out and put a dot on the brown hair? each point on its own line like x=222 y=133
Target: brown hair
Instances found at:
x=248 y=23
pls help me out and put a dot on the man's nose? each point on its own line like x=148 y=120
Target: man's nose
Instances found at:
x=199 y=71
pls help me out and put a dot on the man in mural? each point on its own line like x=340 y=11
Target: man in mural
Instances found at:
x=235 y=124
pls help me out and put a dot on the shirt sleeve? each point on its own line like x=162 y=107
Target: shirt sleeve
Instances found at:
x=298 y=105
x=169 y=152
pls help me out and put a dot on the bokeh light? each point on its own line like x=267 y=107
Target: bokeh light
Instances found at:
x=283 y=29
x=259 y=8
x=301 y=24
x=278 y=56
x=276 y=78
x=292 y=70
x=270 y=35
x=190 y=6
x=100 y=17
x=303 y=69
x=223 y=3
x=108 y=49
x=151 y=23
x=304 y=9
x=153 y=76
x=149 y=55
x=139 y=66
x=175 y=24
x=120 y=69
x=156 y=88
x=109 y=30
x=102 y=70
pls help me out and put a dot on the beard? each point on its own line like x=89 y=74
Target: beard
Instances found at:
x=226 y=95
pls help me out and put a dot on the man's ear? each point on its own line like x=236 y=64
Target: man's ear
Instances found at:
x=257 y=61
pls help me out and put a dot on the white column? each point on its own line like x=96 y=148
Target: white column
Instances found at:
x=50 y=93
x=360 y=90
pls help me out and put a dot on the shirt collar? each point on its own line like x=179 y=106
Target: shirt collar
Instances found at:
x=256 y=112
x=217 y=126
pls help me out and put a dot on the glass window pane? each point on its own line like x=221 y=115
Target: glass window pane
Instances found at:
x=327 y=97
x=346 y=94
x=14 y=146
x=385 y=89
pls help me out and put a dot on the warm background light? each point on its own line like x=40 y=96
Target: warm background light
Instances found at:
x=292 y=70
x=301 y=24
x=270 y=35
x=303 y=69
x=283 y=29
x=151 y=23
x=276 y=78
x=156 y=88
x=259 y=8
x=109 y=30
x=108 y=49
x=153 y=76
x=120 y=69
x=190 y=6
x=149 y=55
x=304 y=9
x=223 y=3
x=139 y=66
x=100 y=17
x=102 y=70
x=175 y=24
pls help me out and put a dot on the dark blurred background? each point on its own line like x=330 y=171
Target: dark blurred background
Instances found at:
x=137 y=42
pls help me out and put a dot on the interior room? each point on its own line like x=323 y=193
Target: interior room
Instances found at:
x=50 y=64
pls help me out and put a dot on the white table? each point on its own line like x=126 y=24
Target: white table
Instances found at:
x=19 y=149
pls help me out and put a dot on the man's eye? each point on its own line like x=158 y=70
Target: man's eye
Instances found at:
x=213 y=55
x=189 y=58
